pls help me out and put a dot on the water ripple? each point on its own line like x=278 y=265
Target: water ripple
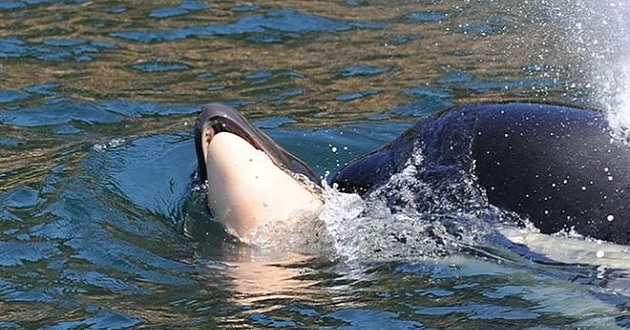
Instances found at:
x=10 y=142
x=356 y=95
x=259 y=76
x=94 y=235
x=64 y=42
x=103 y=320
x=96 y=279
x=286 y=21
x=364 y=70
x=57 y=112
x=245 y=8
x=8 y=96
x=132 y=108
x=51 y=50
x=370 y=319
x=183 y=9
x=525 y=83
x=14 y=254
x=427 y=17
x=119 y=255
x=428 y=91
x=422 y=107
x=60 y=111
x=455 y=77
x=160 y=66
x=20 y=198
x=24 y=293
x=11 y=5
x=47 y=89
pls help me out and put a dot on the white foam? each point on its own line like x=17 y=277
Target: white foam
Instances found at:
x=340 y=214
x=571 y=249
x=113 y=143
x=375 y=230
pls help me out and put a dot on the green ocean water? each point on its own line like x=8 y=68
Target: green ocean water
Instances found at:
x=102 y=225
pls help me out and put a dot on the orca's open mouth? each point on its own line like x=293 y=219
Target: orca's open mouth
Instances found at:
x=222 y=118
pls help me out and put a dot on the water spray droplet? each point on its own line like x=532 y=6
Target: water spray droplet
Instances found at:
x=600 y=254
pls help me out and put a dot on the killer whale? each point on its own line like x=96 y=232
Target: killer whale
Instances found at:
x=558 y=166
x=251 y=180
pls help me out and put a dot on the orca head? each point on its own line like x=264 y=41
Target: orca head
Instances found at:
x=250 y=178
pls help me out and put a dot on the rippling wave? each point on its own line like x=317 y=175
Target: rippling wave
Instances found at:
x=102 y=225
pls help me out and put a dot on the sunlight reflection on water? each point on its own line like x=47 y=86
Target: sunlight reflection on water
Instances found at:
x=98 y=228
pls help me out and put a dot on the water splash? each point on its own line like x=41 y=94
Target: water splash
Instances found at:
x=410 y=217
x=598 y=33
x=113 y=143
x=340 y=214
x=620 y=113
x=613 y=61
x=304 y=234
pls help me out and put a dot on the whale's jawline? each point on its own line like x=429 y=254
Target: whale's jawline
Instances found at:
x=222 y=118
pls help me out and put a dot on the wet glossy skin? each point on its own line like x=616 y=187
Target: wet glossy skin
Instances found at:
x=250 y=179
x=558 y=166
x=223 y=118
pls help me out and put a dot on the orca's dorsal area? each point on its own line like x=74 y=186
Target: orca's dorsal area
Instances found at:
x=558 y=166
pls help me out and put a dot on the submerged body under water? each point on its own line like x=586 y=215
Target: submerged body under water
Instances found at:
x=102 y=227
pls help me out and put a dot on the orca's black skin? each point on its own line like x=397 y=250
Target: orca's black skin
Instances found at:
x=222 y=118
x=558 y=166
